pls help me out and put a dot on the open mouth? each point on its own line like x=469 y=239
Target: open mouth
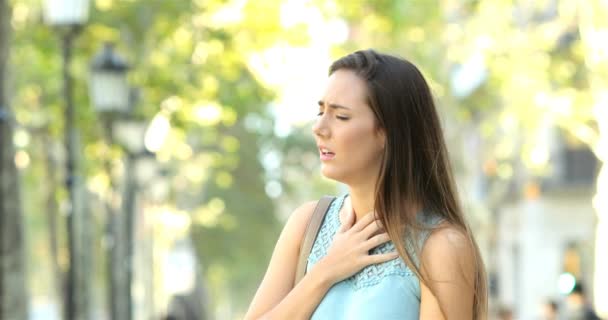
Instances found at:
x=326 y=154
x=326 y=151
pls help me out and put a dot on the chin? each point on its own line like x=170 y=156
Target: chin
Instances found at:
x=332 y=174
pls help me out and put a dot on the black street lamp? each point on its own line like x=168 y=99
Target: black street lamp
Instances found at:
x=111 y=98
x=68 y=16
x=109 y=90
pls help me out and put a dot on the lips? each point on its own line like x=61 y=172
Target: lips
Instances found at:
x=325 y=153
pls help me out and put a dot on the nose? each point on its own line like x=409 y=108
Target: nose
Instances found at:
x=320 y=129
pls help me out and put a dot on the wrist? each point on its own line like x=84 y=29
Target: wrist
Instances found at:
x=322 y=274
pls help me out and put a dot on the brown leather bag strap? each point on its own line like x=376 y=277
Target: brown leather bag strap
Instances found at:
x=311 y=234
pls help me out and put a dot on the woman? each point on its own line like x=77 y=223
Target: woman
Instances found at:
x=397 y=245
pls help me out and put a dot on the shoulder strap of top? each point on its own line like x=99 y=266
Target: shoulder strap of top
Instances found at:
x=311 y=234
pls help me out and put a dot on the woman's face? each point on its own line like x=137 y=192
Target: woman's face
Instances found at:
x=350 y=145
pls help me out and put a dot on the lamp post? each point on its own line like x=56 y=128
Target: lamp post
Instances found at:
x=110 y=96
x=68 y=16
x=139 y=166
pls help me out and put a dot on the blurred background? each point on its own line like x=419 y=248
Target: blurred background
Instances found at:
x=150 y=151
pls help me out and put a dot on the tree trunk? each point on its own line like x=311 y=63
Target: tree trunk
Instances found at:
x=13 y=297
x=52 y=209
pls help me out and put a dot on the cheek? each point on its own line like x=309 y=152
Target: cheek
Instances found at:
x=364 y=139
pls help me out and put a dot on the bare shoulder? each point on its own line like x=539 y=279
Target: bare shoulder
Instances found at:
x=449 y=252
x=448 y=263
x=298 y=220
x=304 y=211
x=294 y=229
x=447 y=238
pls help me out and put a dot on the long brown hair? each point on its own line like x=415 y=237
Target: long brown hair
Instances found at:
x=415 y=167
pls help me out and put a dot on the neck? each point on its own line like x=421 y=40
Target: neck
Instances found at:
x=361 y=200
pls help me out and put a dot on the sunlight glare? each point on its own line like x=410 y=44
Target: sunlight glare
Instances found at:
x=209 y=114
x=157 y=132
x=231 y=13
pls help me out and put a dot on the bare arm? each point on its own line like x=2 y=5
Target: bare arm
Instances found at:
x=276 y=287
x=302 y=300
x=277 y=298
x=448 y=262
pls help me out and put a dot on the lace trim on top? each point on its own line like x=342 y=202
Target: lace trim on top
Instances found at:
x=369 y=275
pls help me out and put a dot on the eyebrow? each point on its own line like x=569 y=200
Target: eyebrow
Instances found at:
x=333 y=105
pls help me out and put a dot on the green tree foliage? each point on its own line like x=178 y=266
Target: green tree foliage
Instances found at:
x=189 y=59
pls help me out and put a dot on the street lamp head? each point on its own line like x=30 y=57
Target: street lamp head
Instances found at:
x=66 y=12
x=109 y=90
x=130 y=134
x=108 y=60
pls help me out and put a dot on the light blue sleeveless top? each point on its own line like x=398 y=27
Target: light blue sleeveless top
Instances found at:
x=387 y=291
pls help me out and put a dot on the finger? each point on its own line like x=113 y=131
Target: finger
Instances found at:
x=349 y=218
x=363 y=222
x=372 y=229
x=380 y=258
x=376 y=241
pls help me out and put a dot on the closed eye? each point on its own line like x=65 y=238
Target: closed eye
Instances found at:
x=343 y=118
